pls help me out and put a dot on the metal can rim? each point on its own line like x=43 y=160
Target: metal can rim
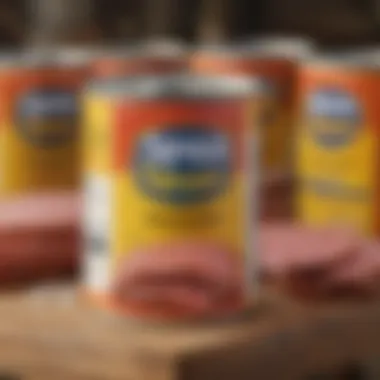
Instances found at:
x=242 y=52
x=345 y=60
x=182 y=86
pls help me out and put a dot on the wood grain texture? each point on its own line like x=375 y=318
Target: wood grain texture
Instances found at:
x=51 y=331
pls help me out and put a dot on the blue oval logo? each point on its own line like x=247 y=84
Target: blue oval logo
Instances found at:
x=47 y=117
x=183 y=165
x=334 y=117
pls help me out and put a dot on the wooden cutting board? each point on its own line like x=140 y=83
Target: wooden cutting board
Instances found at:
x=50 y=333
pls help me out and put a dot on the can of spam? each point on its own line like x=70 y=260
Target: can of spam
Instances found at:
x=338 y=141
x=39 y=147
x=275 y=108
x=169 y=196
x=150 y=58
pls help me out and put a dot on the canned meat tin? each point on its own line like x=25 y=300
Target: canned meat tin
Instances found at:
x=169 y=196
x=338 y=143
x=39 y=147
x=277 y=102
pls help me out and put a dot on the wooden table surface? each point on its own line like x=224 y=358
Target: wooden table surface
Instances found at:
x=48 y=332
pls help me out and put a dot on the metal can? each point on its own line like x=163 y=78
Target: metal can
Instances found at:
x=338 y=142
x=143 y=59
x=39 y=147
x=169 y=196
x=276 y=107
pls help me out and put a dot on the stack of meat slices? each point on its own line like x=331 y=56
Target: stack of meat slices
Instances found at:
x=179 y=280
x=321 y=262
x=39 y=236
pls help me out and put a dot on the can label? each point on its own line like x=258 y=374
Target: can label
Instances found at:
x=337 y=159
x=47 y=118
x=180 y=212
x=178 y=181
x=182 y=164
x=39 y=131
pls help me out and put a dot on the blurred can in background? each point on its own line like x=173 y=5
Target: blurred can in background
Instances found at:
x=338 y=142
x=169 y=216
x=149 y=58
x=39 y=124
x=277 y=65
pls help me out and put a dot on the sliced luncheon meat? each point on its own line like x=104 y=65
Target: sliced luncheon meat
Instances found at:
x=290 y=248
x=362 y=271
x=207 y=262
x=182 y=296
x=42 y=211
x=190 y=278
x=39 y=235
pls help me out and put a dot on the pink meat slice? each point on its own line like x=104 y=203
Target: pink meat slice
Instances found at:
x=180 y=296
x=325 y=246
x=38 y=234
x=362 y=269
x=203 y=261
x=276 y=246
x=289 y=247
x=44 y=210
x=188 y=276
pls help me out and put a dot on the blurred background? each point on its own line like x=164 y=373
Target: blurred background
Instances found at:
x=333 y=22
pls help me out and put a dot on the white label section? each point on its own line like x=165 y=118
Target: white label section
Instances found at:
x=96 y=266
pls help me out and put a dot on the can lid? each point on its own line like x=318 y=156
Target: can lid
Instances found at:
x=119 y=52
x=10 y=58
x=370 y=53
x=254 y=50
x=181 y=86
x=149 y=49
x=347 y=59
x=289 y=46
x=79 y=55
x=220 y=50
x=164 y=46
x=57 y=56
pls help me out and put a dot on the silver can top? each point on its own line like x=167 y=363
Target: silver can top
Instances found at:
x=262 y=47
x=59 y=56
x=179 y=86
x=289 y=46
x=148 y=49
x=346 y=59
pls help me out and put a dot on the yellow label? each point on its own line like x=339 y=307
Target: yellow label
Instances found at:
x=143 y=222
x=39 y=143
x=177 y=182
x=336 y=164
x=96 y=135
